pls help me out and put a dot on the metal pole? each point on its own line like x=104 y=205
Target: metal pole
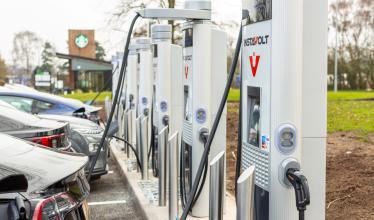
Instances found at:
x=162 y=153
x=245 y=195
x=216 y=187
x=144 y=146
x=126 y=133
x=173 y=176
x=130 y=130
x=137 y=137
x=336 y=51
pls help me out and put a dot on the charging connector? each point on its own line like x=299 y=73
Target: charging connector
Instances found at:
x=301 y=187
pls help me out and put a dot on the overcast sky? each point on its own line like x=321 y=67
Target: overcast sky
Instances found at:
x=51 y=19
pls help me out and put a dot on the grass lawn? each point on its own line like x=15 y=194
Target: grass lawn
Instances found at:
x=89 y=96
x=351 y=111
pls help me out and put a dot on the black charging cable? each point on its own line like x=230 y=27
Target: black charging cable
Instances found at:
x=301 y=187
x=112 y=110
x=133 y=149
x=182 y=182
x=205 y=155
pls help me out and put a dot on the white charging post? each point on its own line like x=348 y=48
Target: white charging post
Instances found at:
x=284 y=106
x=205 y=68
x=168 y=84
x=145 y=75
x=131 y=96
x=168 y=103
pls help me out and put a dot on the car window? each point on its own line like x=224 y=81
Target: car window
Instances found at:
x=40 y=106
x=20 y=103
x=27 y=104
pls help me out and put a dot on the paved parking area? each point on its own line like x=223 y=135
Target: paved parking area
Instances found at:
x=111 y=199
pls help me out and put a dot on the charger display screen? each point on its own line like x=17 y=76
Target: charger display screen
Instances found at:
x=254 y=110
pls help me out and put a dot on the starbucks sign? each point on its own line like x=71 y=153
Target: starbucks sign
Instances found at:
x=81 y=41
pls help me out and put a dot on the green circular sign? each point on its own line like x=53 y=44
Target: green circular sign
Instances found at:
x=81 y=41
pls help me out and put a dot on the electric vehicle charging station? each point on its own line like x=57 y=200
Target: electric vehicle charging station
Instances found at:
x=203 y=83
x=280 y=87
x=205 y=65
x=168 y=104
x=145 y=76
x=130 y=100
x=145 y=97
x=168 y=84
x=281 y=138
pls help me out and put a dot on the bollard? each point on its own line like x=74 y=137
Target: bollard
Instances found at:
x=245 y=195
x=162 y=160
x=125 y=131
x=130 y=129
x=137 y=138
x=144 y=146
x=173 y=175
x=216 y=186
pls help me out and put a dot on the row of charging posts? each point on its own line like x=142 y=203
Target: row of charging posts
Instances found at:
x=283 y=112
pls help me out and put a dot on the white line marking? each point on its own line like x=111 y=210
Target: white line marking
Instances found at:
x=107 y=202
x=110 y=172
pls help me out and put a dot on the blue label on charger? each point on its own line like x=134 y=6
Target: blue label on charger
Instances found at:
x=144 y=100
x=200 y=115
x=163 y=106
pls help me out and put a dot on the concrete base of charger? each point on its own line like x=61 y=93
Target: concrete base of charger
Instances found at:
x=153 y=211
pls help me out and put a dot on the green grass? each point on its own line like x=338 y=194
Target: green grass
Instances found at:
x=350 y=111
x=356 y=116
x=349 y=95
x=89 y=96
x=234 y=95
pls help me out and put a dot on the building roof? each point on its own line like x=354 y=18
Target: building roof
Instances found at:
x=86 y=64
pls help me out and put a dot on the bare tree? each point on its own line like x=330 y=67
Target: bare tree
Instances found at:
x=26 y=50
x=3 y=69
x=353 y=21
x=120 y=14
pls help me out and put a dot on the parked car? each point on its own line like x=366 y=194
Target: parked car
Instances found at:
x=84 y=135
x=34 y=102
x=49 y=133
x=41 y=184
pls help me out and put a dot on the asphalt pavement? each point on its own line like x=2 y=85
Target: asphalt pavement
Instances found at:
x=111 y=199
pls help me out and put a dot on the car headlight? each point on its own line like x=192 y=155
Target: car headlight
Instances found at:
x=93 y=142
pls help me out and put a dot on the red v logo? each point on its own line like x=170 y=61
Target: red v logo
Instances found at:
x=254 y=64
x=186 y=71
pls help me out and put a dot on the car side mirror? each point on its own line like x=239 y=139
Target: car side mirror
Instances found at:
x=113 y=129
x=13 y=183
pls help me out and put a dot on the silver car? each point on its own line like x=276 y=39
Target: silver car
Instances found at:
x=85 y=137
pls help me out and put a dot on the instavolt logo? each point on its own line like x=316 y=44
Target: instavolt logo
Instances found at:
x=256 y=40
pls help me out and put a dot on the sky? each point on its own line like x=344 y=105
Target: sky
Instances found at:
x=51 y=19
